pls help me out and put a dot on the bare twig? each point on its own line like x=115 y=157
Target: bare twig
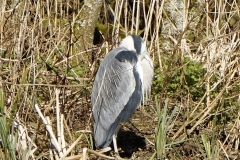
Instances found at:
x=49 y=129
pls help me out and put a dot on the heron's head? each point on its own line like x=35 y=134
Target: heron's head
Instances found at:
x=135 y=43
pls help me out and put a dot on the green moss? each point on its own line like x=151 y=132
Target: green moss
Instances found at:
x=102 y=28
x=180 y=81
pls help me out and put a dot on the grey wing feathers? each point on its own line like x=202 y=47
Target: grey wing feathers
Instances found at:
x=113 y=86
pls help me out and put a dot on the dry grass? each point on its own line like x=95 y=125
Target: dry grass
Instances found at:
x=47 y=69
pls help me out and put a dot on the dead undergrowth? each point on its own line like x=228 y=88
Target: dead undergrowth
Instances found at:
x=46 y=79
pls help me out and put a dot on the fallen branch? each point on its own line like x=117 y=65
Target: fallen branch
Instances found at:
x=49 y=129
x=86 y=150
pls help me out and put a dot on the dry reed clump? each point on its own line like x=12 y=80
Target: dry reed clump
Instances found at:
x=41 y=57
x=47 y=68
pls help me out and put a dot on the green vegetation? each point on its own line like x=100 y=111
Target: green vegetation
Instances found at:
x=185 y=78
x=164 y=122
x=8 y=141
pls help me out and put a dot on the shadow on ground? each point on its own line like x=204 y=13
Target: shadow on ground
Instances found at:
x=129 y=142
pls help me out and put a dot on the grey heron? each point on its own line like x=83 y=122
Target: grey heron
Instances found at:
x=122 y=80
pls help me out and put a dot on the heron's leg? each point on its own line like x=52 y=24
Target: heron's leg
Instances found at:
x=115 y=144
x=117 y=157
